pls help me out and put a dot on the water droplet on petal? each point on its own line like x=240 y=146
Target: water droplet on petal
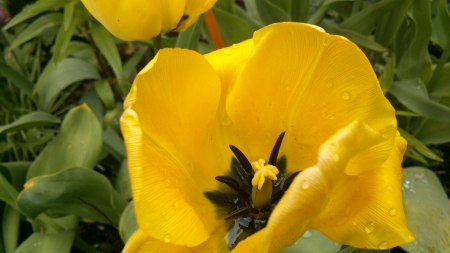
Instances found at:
x=307 y=234
x=167 y=238
x=225 y=120
x=305 y=184
x=392 y=212
x=235 y=46
x=288 y=87
x=69 y=147
x=270 y=105
x=369 y=228
x=383 y=245
x=400 y=176
x=389 y=188
x=355 y=222
x=226 y=51
x=176 y=205
x=346 y=96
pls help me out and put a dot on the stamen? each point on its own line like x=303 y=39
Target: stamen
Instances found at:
x=238 y=213
x=274 y=154
x=242 y=159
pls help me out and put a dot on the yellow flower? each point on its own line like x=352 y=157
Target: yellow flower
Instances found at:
x=144 y=19
x=306 y=102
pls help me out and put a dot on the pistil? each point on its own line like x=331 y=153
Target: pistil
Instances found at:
x=262 y=188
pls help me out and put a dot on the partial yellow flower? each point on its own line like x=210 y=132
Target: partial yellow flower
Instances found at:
x=144 y=19
x=297 y=110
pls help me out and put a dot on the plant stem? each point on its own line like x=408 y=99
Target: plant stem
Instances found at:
x=213 y=29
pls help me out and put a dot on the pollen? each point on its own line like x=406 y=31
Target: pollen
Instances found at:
x=262 y=172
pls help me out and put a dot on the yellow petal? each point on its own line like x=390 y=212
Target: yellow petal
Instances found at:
x=137 y=19
x=193 y=9
x=366 y=211
x=311 y=189
x=308 y=83
x=140 y=242
x=168 y=125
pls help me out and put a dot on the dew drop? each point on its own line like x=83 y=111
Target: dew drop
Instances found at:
x=411 y=237
x=400 y=176
x=225 y=120
x=305 y=184
x=288 y=87
x=392 y=212
x=369 y=228
x=235 y=46
x=167 y=238
x=355 y=222
x=389 y=188
x=69 y=147
x=383 y=245
x=270 y=105
x=331 y=116
x=176 y=205
x=346 y=96
x=307 y=234
x=227 y=52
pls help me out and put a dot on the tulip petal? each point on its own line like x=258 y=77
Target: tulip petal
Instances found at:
x=137 y=19
x=140 y=242
x=169 y=128
x=308 y=83
x=311 y=189
x=193 y=9
x=366 y=211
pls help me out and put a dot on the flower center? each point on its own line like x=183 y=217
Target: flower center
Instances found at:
x=251 y=193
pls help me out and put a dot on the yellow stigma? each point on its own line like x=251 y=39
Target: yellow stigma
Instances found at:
x=262 y=171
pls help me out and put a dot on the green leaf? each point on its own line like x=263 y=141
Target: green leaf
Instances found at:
x=64 y=35
x=16 y=78
x=78 y=191
x=134 y=60
x=299 y=10
x=32 y=10
x=355 y=37
x=364 y=20
x=388 y=25
x=113 y=144
x=411 y=94
x=416 y=62
x=406 y=113
x=312 y=241
x=434 y=132
x=15 y=172
x=127 y=224
x=45 y=243
x=105 y=42
x=441 y=27
x=269 y=12
x=7 y=192
x=36 y=28
x=427 y=210
x=65 y=73
x=68 y=14
x=191 y=37
x=10 y=227
x=441 y=88
x=419 y=146
x=78 y=143
x=232 y=28
x=320 y=12
x=122 y=182
x=388 y=74
x=104 y=91
x=30 y=120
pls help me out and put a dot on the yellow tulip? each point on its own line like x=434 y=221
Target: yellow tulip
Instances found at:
x=313 y=145
x=144 y=19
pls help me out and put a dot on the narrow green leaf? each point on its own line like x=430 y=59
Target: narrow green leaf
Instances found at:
x=104 y=91
x=355 y=37
x=134 y=60
x=441 y=27
x=16 y=78
x=7 y=192
x=17 y=172
x=191 y=37
x=105 y=42
x=416 y=62
x=232 y=28
x=122 y=183
x=406 y=113
x=320 y=12
x=78 y=143
x=409 y=93
x=32 y=10
x=427 y=210
x=299 y=10
x=412 y=153
x=113 y=144
x=269 y=12
x=388 y=74
x=388 y=25
x=364 y=20
x=65 y=73
x=32 y=119
x=419 y=146
x=63 y=38
x=10 y=226
x=78 y=191
x=68 y=14
x=434 y=132
x=127 y=224
x=45 y=243
x=36 y=28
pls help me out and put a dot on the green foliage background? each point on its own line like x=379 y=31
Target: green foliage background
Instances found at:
x=63 y=79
